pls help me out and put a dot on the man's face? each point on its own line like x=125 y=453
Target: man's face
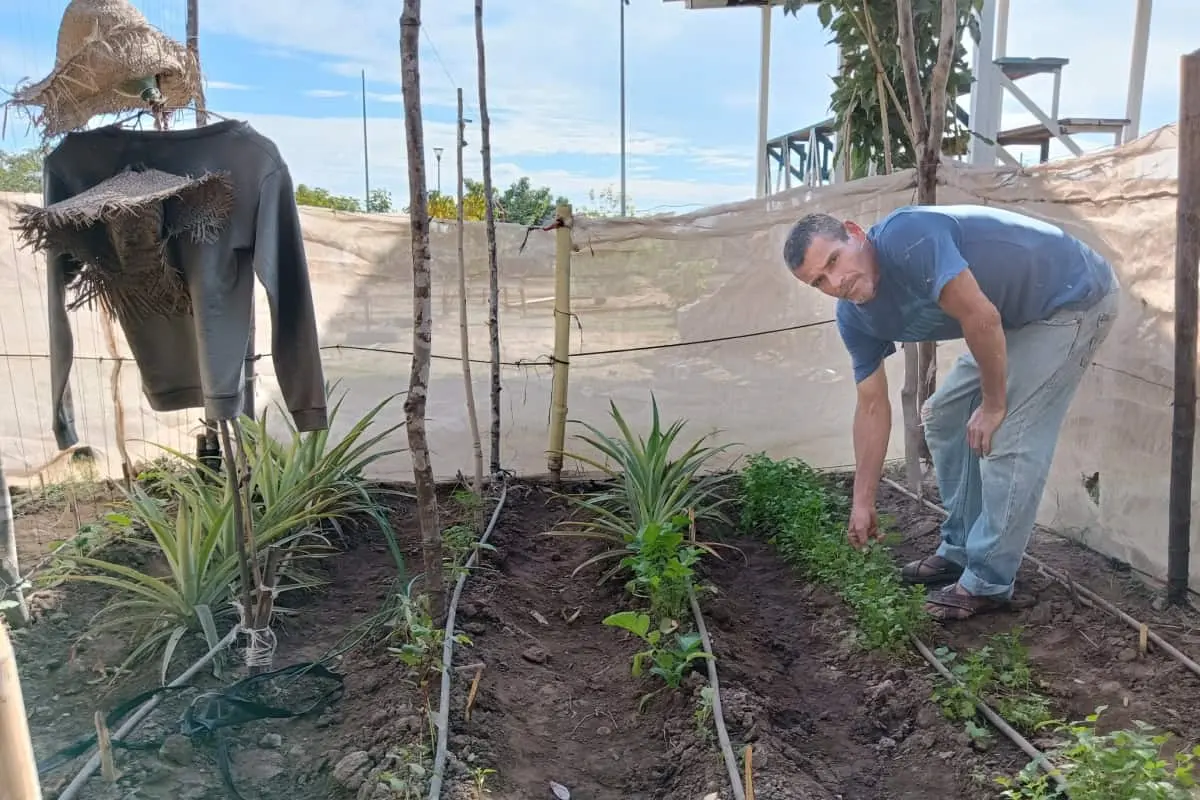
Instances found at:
x=842 y=269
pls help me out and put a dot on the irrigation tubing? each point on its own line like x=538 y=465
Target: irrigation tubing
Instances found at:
x=735 y=778
x=443 y=717
x=135 y=719
x=1020 y=741
x=1076 y=589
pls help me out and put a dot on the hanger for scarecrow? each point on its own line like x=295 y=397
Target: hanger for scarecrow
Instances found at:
x=110 y=60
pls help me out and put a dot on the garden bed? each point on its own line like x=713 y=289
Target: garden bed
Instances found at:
x=555 y=699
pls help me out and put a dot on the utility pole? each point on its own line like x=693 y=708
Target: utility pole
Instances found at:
x=193 y=46
x=623 y=3
x=437 y=153
x=366 y=157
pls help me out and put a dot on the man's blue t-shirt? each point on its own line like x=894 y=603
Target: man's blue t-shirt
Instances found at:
x=1028 y=269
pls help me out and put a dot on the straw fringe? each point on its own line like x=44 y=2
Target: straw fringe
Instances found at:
x=105 y=48
x=119 y=233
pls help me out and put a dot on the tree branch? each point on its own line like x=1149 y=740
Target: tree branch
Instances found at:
x=938 y=101
x=867 y=28
x=912 y=78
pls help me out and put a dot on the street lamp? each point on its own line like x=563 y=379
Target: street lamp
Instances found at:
x=437 y=153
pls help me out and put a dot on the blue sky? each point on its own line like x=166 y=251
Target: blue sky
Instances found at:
x=553 y=71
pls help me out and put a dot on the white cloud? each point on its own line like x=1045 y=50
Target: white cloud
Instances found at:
x=326 y=94
x=227 y=86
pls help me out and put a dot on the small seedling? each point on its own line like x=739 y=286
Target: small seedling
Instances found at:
x=1121 y=765
x=997 y=673
x=669 y=661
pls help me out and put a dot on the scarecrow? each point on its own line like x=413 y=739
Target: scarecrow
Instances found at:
x=165 y=231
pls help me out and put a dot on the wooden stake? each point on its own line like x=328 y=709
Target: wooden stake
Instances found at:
x=464 y=328
x=1187 y=275
x=18 y=769
x=748 y=780
x=108 y=766
x=10 y=570
x=562 y=341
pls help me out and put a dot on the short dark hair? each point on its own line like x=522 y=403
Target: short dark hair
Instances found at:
x=801 y=236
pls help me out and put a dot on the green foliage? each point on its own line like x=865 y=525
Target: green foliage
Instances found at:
x=379 y=201
x=670 y=656
x=646 y=486
x=1121 y=765
x=298 y=487
x=21 y=172
x=661 y=564
x=856 y=100
x=323 y=198
x=524 y=205
x=999 y=674
x=418 y=638
x=805 y=520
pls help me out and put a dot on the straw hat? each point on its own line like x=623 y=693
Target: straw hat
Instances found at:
x=110 y=60
x=118 y=232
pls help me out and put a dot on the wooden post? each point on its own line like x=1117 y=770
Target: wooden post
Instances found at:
x=193 y=46
x=10 y=569
x=18 y=769
x=562 y=340
x=464 y=328
x=1187 y=274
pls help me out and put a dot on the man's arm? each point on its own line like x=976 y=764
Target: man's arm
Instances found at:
x=872 y=430
x=962 y=299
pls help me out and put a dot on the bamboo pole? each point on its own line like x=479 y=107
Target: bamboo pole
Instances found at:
x=562 y=340
x=18 y=768
x=11 y=584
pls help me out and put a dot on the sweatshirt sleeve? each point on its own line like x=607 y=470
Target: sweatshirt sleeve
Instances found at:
x=62 y=342
x=282 y=267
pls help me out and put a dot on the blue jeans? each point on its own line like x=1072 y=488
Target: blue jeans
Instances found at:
x=992 y=501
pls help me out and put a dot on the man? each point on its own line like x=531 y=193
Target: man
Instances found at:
x=1033 y=305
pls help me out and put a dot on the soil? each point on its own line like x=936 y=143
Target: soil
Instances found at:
x=556 y=702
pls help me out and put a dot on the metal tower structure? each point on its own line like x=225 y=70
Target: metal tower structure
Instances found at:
x=805 y=156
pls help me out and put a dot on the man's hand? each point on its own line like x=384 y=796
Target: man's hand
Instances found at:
x=864 y=526
x=982 y=427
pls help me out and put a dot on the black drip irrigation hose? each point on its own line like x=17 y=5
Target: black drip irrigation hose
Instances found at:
x=735 y=778
x=443 y=717
x=1081 y=593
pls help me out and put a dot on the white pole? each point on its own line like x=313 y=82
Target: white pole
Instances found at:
x=1001 y=28
x=764 y=91
x=986 y=96
x=1137 y=70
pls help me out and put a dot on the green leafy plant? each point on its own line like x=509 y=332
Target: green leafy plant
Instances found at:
x=661 y=565
x=418 y=639
x=645 y=486
x=997 y=673
x=1120 y=765
x=300 y=490
x=789 y=503
x=669 y=658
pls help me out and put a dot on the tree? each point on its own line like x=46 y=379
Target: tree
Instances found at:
x=524 y=205
x=379 y=201
x=873 y=73
x=21 y=172
x=323 y=198
x=418 y=385
x=605 y=203
x=485 y=128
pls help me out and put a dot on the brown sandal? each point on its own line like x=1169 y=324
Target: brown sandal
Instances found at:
x=949 y=604
x=930 y=571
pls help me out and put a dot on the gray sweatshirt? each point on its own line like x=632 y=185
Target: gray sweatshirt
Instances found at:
x=196 y=359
